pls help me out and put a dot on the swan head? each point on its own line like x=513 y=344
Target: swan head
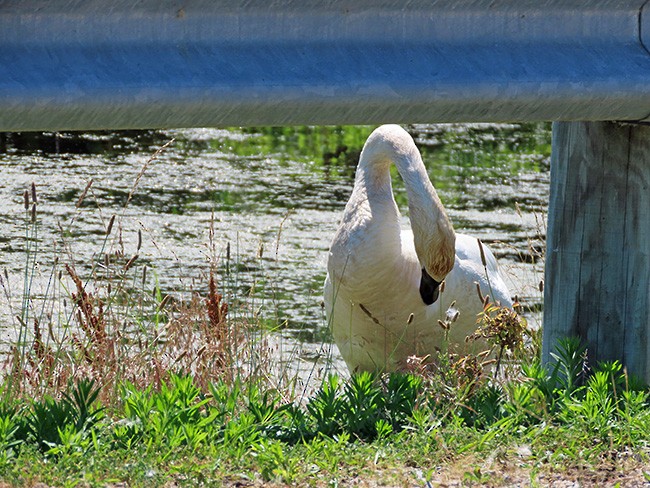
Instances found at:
x=437 y=255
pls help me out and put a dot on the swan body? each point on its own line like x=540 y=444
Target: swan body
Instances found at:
x=381 y=279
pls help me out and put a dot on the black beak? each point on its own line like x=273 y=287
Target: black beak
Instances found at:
x=429 y=288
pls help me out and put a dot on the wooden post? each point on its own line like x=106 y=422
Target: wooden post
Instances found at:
x=597 y=278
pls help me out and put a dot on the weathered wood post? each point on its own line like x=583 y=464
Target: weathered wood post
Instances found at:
x=597 y=278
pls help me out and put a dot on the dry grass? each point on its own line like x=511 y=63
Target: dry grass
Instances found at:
x=93 y=322
x=197 y=337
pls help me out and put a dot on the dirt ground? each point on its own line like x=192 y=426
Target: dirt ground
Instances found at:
x=494 y=471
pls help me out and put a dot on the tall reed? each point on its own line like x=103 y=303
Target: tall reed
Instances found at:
x=100 y=320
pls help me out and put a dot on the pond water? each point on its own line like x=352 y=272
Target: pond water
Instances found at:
x=272 y=197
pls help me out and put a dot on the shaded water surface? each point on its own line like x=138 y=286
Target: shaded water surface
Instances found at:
x=263 y=203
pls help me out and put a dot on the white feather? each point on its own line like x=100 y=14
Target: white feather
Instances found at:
x=374 y=267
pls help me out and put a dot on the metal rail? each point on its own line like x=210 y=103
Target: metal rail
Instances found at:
x=94 y=64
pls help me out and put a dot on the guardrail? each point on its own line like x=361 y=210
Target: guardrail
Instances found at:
x=95 y=64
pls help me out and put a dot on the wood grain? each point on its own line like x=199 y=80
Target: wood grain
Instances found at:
x=597 y=276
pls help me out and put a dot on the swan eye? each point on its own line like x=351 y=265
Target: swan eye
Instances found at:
x=429 y=288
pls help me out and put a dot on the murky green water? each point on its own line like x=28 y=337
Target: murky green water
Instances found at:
x=273 y=197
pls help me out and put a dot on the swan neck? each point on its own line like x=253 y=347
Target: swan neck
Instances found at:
x=433 y=233
x=372 y=200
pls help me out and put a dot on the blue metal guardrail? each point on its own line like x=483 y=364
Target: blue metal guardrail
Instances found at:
x=97 y=64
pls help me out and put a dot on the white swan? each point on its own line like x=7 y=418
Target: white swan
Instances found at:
x=382 y=294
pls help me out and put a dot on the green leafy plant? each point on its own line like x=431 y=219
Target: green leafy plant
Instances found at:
x=241 y=434
x=326 y=407
x=363 y=405
x=400 y=398
x=9 y=440
x=570 y=366
x=275 y=464
x=48 y=419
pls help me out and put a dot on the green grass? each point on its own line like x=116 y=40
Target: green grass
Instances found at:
x=397 y=428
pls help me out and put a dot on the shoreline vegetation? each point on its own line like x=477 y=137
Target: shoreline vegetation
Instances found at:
x=111 y=381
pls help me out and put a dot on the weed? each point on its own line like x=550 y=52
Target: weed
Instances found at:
x=51 y=422
x=570 y=364
x=9 y=442
x=400 y=399
x=326 y=407
x=275 y=464
x=363 y=405
x=503 y=328
x=94 y=330
x=475 y=477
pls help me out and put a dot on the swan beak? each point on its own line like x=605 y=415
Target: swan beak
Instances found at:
x=429 y=288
